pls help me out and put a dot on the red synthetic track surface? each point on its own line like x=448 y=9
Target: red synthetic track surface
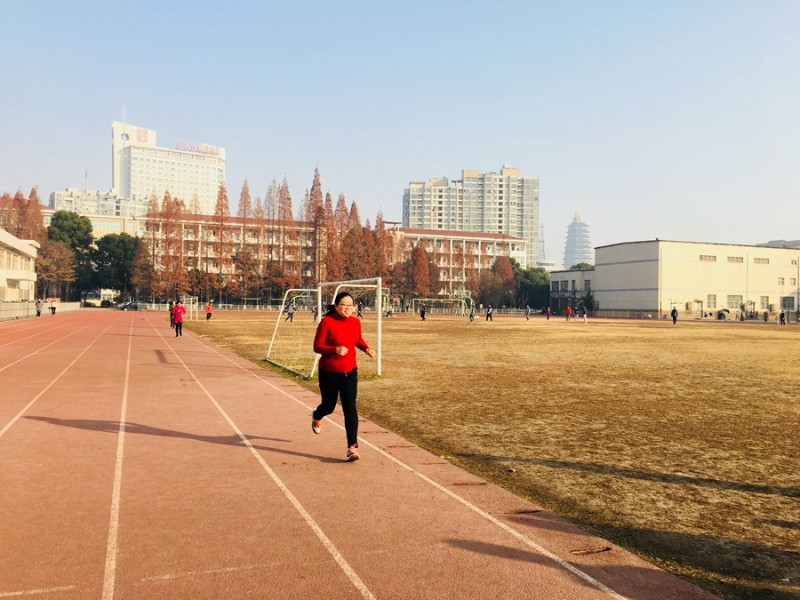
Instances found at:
x=134 y=464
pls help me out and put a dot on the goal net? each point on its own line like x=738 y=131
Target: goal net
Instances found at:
x=442 y=306
x=291 y=346
x=190 y=303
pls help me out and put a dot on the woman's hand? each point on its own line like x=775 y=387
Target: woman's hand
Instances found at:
x=370 y=352
x=341 y=350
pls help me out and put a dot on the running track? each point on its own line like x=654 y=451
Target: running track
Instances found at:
x=137 y=465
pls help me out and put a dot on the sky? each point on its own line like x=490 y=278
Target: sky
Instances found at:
x=669 y=119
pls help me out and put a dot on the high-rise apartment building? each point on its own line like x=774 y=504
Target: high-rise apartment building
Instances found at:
x=578 y=246
x=505 y=203
x=140 y=168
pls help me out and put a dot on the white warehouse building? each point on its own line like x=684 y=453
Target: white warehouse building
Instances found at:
x=697 y=278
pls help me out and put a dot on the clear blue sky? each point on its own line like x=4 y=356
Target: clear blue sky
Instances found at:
x=670 y=119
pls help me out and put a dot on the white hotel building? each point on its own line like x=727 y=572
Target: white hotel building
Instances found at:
x=140 y=168
x=498 y=203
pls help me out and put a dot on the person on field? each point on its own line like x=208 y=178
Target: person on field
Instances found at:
x=337 y=337
x=548 y=313
x=472 y=312
x=38 y=307
x=527 y=312
x=569 y=312
x=489 y=313
x=360 y=309
x=209 y=310
x=674 y=314
x=289 y=313
x=177 y=315
x=584 y=313
x=783 y=318
x=422 y=310
x=170 y=308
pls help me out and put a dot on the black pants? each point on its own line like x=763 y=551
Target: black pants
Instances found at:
x=178 y=328
x=345 y=386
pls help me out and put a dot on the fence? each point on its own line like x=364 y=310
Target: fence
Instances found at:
x=25 y=310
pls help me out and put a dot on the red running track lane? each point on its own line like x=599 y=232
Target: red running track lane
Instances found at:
x=137 y=465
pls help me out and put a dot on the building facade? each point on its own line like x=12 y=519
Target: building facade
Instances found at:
x=458 y=255
x=97 y=203
x=140 y=168
x=503 y=203
x=699 y=279
x=17 y=268
x=578 y=245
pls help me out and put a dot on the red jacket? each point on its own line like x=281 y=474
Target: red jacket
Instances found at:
x=333 y=331
x=178 y=312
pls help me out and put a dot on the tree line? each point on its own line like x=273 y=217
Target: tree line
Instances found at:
x=257 y=253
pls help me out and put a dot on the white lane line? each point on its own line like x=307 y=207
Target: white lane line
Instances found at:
x=52 y=383
x=110 y=573
x=43 y=330
x=329 y=546
x=35 y=352
x=63 y=588
x=517 y=534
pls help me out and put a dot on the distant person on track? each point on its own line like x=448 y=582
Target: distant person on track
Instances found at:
x=38 y=307
x=422 y=310
x=489 y=313
x=338 y=335
x=171 y=308
x=360 y=309
x=471 y=312
x=289 y=313
x=177 y=314
x=527 y=312
x=209 y=310
x=783 y=318
x=674 y=314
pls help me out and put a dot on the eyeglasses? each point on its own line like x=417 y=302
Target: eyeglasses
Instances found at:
x=346 y=305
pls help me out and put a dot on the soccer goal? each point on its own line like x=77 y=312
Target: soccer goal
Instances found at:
x=442 y=306
x=291 y=346
x=191 y=305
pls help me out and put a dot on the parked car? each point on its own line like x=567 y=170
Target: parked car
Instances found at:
x=129 y=306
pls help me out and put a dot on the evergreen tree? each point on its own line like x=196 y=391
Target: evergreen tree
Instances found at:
x=223 y=237
x=245 y=207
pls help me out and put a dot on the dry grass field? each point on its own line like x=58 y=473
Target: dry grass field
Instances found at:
x=679 y=443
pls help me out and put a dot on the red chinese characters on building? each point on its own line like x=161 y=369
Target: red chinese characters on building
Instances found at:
x=141 y=135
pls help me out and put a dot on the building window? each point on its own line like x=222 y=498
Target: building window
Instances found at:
x=780 y=281
x=708 y=258
x=711 y=301
x=765 y=302
x=792 y=281
x=735 y=259
x=761 y=261
x=734 y=302
x=554 y=286
x=564 y=285
x=787 y=302
x=587 y=286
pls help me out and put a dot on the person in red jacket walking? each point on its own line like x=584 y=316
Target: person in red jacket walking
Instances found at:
x=178 y=313
x=338 y=335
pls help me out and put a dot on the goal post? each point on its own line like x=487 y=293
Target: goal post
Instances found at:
x=452 y=306
x=291 y=345
x=191 y=305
